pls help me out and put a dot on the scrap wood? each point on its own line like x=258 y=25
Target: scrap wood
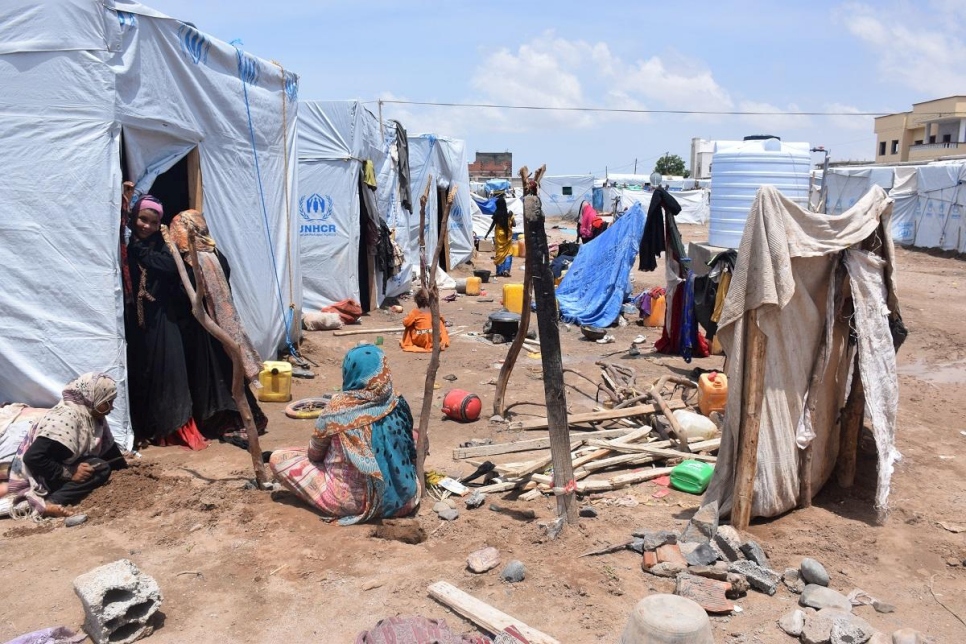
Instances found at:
x=657 y=451
x=657 y=396
x=483 y=614
x=606 y=550
x=526 y=445
x=387 y=329
x=613 y=483
x=595 y=416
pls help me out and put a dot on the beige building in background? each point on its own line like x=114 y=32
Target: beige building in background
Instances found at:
x=933 y=129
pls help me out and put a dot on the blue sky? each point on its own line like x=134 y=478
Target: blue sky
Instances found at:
x=750 y=55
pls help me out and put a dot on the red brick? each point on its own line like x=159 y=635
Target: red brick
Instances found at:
x=708 y=593
x=671 y=553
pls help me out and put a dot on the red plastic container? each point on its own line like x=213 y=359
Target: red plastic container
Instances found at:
x=462 y=405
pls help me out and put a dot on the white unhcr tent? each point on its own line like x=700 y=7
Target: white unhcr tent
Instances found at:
x=443 y=159
x=335 y=138
x=77 y=77
x=561 y=195
x=695 y=204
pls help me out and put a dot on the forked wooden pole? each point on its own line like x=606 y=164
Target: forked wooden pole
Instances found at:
x=853 y=417
x=538 y=256
x=197 y=297
x=753 y=381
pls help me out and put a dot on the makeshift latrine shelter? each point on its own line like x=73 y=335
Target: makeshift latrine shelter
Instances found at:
x=820 y=290
x=340 y=148
x=443 y=159
x=91 y=94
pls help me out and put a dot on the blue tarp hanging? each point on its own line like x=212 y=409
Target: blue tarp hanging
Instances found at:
x=592 y=291
x=494 y=185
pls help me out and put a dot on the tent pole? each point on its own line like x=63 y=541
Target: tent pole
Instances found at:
x=564 y=485
x=852 y=419
x=422 y=441
x=382 y=130
x=751 y=399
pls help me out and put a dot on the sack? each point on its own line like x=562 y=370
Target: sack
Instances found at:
x=349 y=310
x=318 y=321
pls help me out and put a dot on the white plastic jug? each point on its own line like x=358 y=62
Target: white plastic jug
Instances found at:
x=695 y=426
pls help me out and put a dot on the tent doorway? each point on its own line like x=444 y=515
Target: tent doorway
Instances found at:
x=367 y=258
x=441 y=194
x=179 y=188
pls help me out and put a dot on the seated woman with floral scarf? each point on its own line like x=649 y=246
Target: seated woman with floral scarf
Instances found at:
x=360 y=463
x=67 y=454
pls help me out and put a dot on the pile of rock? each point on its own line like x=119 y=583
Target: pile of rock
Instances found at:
x=713 y=566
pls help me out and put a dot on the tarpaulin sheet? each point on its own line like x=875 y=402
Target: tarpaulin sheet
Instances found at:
x=73 y=76
x=594 y=288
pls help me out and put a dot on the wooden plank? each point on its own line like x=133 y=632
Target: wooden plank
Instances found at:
x=529 y=444
x=657 y=451
x=752 y=393
x=195 y=189
x=594 y=416
x=482 y=614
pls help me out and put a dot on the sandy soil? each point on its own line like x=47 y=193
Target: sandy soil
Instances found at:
x=236 y=565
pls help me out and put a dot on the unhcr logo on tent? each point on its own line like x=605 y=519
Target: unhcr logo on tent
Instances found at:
x=247 y=68
x=292 y=86
x=127 y=20
x=194 y=44
x=314 y=209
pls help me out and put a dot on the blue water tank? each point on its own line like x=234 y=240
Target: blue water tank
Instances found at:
x=740 y=168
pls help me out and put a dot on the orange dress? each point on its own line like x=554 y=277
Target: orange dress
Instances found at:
x=418 y=336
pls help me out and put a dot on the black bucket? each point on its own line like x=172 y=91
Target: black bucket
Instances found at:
x=483 y=274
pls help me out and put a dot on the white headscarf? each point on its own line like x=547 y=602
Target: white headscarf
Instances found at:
x=71 y=422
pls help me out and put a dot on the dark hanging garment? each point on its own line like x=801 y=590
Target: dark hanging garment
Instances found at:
x=402 y=163
x=660 y=221
x=159 y=392
x=385 y=255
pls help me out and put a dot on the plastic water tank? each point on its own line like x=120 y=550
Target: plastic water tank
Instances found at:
x=739 y=168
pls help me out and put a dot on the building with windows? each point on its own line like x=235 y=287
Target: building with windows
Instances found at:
x=491 y=165
x=931 y=130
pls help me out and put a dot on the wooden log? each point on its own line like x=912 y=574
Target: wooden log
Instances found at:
x=196 y=294
x=657 y=451
x=853 y=417
x=422 y=439
x=529 y=444
x=597 y=416
x=655 y=394
x=752 y=392
x=433 y=367
x=387 y=329
x=482 y=614
x=538 y=256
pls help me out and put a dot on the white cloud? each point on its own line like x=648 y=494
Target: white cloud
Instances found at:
x=769 y=124
x=918 y=45
x=860 y=123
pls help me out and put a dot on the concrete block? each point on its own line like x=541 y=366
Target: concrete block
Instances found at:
x=119 y=602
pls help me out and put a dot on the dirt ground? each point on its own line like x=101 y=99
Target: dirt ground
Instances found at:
x=235 y=565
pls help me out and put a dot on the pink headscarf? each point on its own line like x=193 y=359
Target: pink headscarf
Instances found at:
x=147 y=201
x=587 y=216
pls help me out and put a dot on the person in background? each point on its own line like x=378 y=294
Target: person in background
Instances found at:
x=68 y=453
x=591 y=225
x=502 y=227
x=360 y=463
x=418 y=333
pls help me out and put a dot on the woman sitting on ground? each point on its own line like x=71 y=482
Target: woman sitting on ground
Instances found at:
x=418 y=334
x=68 y=453
x=361 y=461
x=591 y=224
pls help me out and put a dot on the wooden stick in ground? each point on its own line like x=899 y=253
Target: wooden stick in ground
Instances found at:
x=511 y=357
x=538 y=257
x=852 y=419
x=422 y=447
x=197 y=297
x=752 y=391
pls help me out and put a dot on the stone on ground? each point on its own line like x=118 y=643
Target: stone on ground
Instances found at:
x=514 y=572
x=820 y=597
x=792 y=622
x=813 y=572
x=728 y=542
x=119 y=602
x=654 y=539
x=667 y=569
x=817 y=630
x=702 y=555
x=761 y=579
x=753 y=552
x=908 y=636
x=483 y=560
x=793 y=580
x=703 y=525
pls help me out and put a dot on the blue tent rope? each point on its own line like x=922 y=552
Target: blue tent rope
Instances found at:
x=286 y=317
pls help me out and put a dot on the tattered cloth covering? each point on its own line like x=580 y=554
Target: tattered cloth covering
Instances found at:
x=784 y=277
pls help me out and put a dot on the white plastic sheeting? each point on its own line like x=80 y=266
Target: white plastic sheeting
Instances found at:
x=695 y=204
x=335 y=138
x=929 y=200
x=73 y=75
x=561 y=195
x=443 y=159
